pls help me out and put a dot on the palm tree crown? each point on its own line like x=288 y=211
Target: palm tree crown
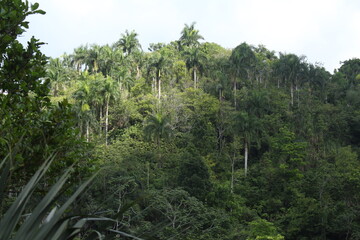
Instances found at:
x=129 y=42
x=157 y=126
x=190 y=36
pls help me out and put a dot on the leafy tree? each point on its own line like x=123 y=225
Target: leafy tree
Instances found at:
x=351 y=71
x=193 y=175
x=261 y=229
x=25 y=107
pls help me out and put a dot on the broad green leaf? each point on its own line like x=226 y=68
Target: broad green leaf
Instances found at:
x=34 y=6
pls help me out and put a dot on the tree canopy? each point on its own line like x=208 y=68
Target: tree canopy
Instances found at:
x=195 y=141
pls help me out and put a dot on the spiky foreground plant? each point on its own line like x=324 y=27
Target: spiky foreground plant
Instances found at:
x=45 y=221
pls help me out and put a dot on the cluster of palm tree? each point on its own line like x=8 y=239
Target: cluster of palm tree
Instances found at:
x=104 y=73
x=101 y=73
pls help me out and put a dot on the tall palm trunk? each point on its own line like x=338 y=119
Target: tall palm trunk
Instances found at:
x=292 y=94
x=106 y=121
x=87 y=131
x=159 y=87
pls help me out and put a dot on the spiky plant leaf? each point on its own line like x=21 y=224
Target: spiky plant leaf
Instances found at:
x=13 y=214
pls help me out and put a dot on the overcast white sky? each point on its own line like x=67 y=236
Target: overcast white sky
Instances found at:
x=326 y=31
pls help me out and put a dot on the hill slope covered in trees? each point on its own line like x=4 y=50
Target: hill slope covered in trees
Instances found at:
x=194 y=141
x=226 y=144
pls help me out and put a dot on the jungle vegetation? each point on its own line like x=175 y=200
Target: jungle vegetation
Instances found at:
x=191 y=140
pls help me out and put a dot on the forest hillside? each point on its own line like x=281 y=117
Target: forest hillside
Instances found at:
x=192 y=140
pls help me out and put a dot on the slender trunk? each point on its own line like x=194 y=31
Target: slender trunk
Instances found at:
x=292 y=94
x=138 y=73
x=159 y=86
x=56 y=90
x=220 y=94
x=87 y=131
x=246 y=154
x=106 y=122
x=100 y=120
x=195 y=80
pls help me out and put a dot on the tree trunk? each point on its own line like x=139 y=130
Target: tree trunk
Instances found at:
x=56 y=90
x=138 y=72
x=246 y=154
x=106 y=122
x=87 y=131
x=159 y=89
x=292 y=94
x=158 y=82
x=195 y=80
x=100 y=120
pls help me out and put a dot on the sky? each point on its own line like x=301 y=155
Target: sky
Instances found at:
x=325 y=31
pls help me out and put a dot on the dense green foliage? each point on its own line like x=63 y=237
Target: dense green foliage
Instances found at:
x=210 y=143
x=195 y=141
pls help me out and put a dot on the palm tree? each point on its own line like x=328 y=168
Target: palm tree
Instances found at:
x=78 y=58
x=290 y=69
x=106 y=60
x=247 y=127
x=57 y=75
x=110 y=93
x=242 y=60
x=92 y=58
x=129 y=42
x=83 y=106
x=194 y=60
x=263 y=67
x=190 y=36
x=157 y=127
x=159 y=62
